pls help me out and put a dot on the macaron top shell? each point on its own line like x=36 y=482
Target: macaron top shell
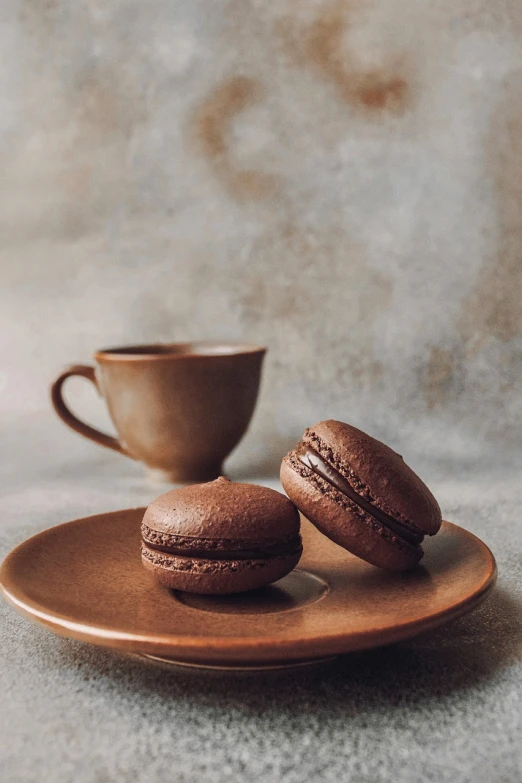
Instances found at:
x=222 y=509
x=377 y=473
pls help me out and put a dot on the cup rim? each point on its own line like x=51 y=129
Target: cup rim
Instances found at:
x=181 y=350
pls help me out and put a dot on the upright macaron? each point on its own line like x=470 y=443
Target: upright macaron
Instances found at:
x=361 y=494
x=221 y=537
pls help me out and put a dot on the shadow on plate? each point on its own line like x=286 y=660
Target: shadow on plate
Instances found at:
x=457 y=657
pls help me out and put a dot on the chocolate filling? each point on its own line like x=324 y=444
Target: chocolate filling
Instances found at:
x=309 y=457
x=260 y=552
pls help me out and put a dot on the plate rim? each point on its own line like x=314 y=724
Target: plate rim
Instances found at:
x=239 y=649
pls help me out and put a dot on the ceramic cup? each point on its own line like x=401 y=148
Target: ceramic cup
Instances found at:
x=179 y=408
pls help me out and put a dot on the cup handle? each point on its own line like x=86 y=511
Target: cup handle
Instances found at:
x=84 y=371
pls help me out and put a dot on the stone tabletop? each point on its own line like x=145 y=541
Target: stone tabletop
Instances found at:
x=445 y=706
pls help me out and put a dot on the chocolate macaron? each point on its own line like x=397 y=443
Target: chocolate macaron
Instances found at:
x=361 y=494
x=221 y=537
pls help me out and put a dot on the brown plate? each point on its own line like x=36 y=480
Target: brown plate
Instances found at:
x=84 y=579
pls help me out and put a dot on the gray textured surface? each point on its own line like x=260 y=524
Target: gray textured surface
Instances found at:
x=446 y=706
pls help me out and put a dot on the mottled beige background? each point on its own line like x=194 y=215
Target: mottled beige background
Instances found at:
x=341 y=181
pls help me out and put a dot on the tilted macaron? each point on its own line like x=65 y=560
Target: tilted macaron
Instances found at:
x=361 y=494
x=220 y=537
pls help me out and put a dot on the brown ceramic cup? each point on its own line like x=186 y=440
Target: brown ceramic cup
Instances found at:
x=179 y=408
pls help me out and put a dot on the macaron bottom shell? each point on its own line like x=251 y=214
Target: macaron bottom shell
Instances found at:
x=216 y=577
x=344 y=522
